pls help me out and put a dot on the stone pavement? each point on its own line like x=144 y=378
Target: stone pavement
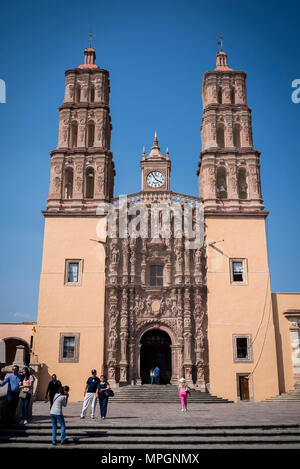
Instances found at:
x=120 y=414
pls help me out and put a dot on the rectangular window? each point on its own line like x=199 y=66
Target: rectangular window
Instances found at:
x=69 y=347
x=73 y=271
x=156 y=275
x=242 y=348
x=238 y=271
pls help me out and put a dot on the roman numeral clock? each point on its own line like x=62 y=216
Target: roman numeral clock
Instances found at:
x=156 y=169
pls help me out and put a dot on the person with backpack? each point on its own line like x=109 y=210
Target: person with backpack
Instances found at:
x=56 y=414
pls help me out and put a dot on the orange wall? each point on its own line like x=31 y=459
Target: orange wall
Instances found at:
x=63 y=308
x=240 y=309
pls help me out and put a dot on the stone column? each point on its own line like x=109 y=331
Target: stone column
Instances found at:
x=294 y=323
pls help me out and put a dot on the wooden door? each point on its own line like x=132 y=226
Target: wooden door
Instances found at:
x=244 y=388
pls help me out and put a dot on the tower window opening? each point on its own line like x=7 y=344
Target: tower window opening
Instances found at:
x=91 y=134
x=237 y=136
x=90 y=177
x=242 y=184
x=77 y=94
x=220 y=136
x=74 y=134
x=220 y=96
x=68 y=183
x=221 y=183
x=232 y=95
x=156 y=275
x=92 y=93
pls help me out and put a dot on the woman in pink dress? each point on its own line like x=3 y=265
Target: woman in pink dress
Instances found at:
x=183 y=390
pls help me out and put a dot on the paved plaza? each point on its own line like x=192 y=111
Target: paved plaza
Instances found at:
x=121 y=414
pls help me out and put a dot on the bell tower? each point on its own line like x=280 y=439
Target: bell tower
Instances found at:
x=82 y=170
x=156 y=169
x=229 y=167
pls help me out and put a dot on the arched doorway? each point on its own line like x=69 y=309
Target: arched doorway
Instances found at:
x=156 y=351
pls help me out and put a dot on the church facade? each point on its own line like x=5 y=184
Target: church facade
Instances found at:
x=147 y=294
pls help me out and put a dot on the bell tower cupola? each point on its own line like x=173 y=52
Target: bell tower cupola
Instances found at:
x=82 y=170
x=156 y=169
x=229 y=167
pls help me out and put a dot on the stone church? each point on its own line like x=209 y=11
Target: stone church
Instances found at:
x=123 y=304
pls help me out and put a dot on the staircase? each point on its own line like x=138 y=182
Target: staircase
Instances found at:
x=91 y=437
x=168 y=394
x=291 y=396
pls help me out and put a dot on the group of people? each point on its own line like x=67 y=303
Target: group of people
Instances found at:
x=20 y=387
x=154 y=375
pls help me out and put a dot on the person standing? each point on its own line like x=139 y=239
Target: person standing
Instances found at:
x=13 y=391
x=90 y=395
x=156 y=373
x=152 y=375
x=183 y=390
x=52 y=389
x=103 y=386
x=56 y=414
x=26 y=388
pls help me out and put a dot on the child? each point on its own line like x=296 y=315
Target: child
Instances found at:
x=183 y=390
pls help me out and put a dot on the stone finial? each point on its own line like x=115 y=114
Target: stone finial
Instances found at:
x=221 y=61
x=167 y=154
x=144 y=153
x=155 y=141
x=89 y=58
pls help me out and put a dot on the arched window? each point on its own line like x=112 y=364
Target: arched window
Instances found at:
x=68 y=183
x=92 y=93
x=220 y=95
x=90 y=134
x=89 y=183
x=237 y=136
x=220 y=136
x=242 y=184
x=77 y=93
x=221 y=183
x=232 y=95
x=74 y=134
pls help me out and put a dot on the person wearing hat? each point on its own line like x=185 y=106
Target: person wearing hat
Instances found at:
x=183 y=390
x=90 y=395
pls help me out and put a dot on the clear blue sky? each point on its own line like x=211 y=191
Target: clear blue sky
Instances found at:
x=156 y=53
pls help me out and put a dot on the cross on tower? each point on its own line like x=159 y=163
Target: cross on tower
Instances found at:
x=220 y=42
x=91 y=36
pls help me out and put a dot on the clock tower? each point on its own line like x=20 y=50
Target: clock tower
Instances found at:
x=156 y=169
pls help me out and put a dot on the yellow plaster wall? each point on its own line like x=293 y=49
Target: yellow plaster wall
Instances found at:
x=64 y=308
x=239 y=309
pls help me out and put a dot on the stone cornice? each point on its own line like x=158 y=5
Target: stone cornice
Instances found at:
x=219 y=214
x=227 y=106
x=86 y=70
x=82 y=152
x=84 y=105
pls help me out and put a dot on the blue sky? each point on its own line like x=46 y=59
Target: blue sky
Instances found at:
x=156 y=53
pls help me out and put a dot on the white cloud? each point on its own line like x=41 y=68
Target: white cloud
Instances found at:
x=20 y=315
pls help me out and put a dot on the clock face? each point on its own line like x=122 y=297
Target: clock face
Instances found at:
x=155 y=179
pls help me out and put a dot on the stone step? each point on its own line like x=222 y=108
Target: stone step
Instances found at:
x=165 y=437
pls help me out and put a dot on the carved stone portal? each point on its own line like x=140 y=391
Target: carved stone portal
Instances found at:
x=134 y=307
